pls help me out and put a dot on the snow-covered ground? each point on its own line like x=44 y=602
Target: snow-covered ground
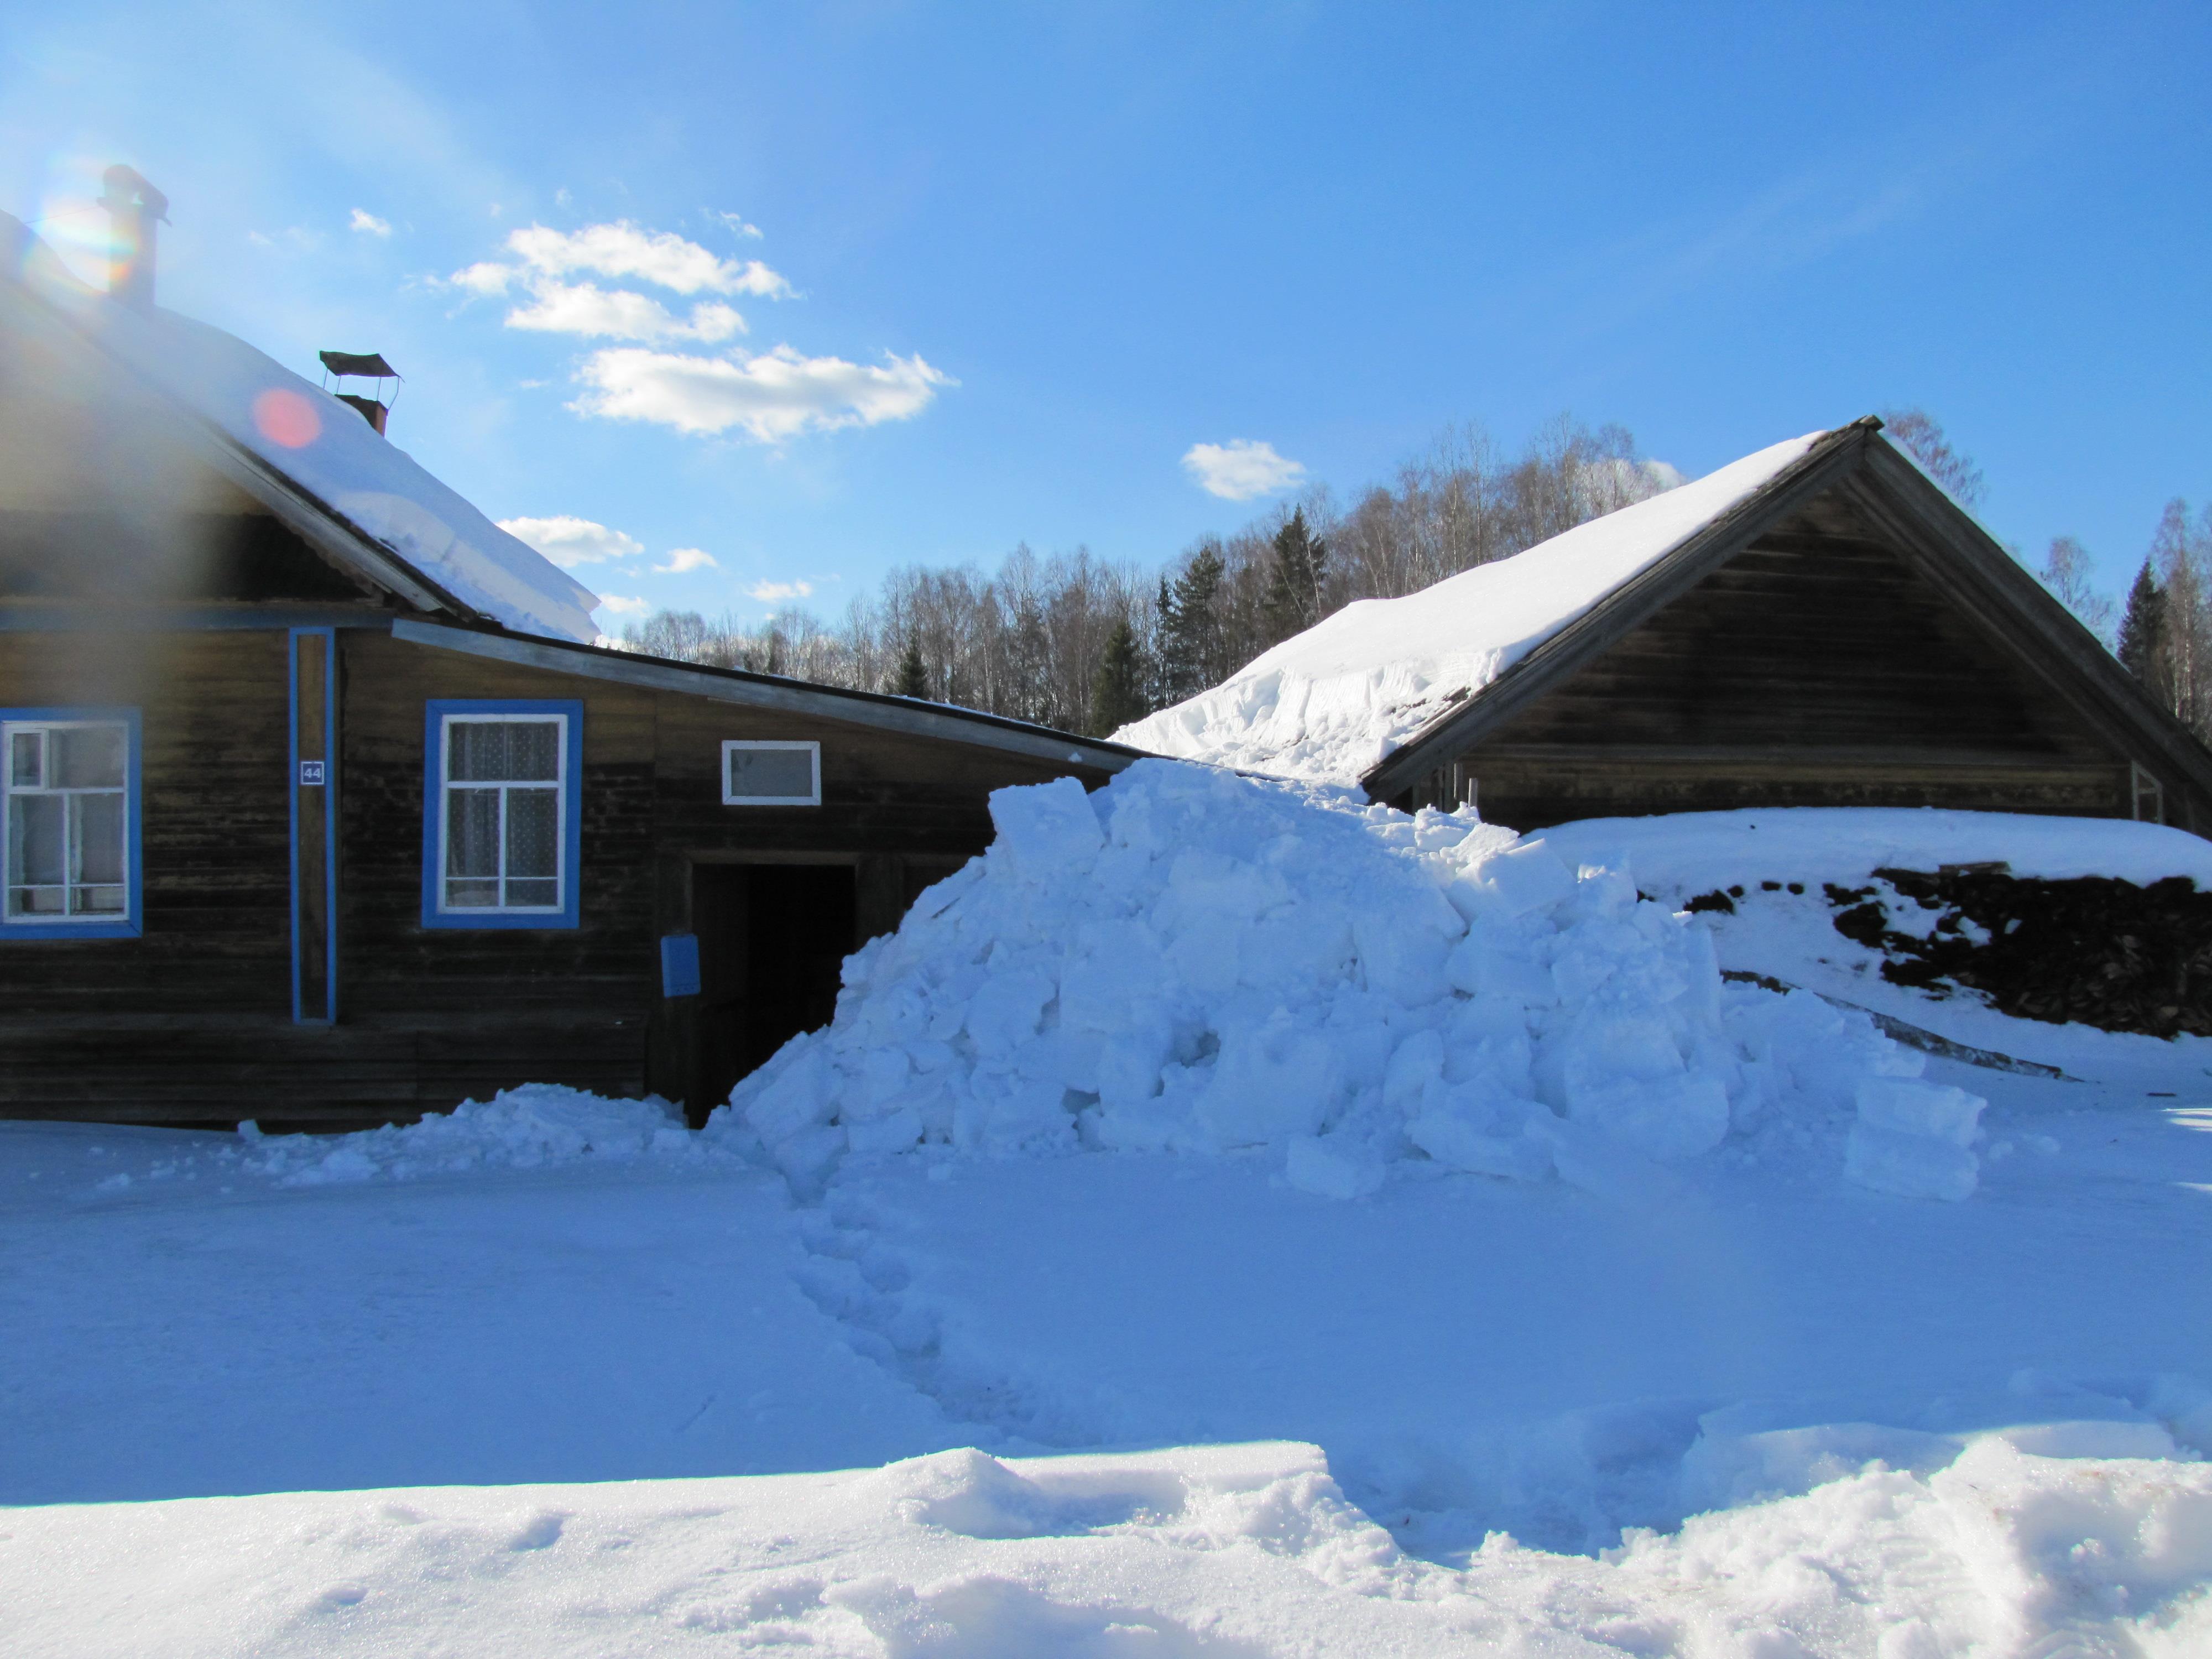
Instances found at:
x=1329 y=703
x=555 y=1377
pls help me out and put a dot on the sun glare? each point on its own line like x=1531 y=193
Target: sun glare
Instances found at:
x=285 y=417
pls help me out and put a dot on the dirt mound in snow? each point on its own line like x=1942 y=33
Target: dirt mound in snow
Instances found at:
x=2104 y=952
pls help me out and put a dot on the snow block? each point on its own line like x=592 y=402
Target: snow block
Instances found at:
x=1906 y=1106
x=1046 y=827
x=1313 y=1165
x=1909 y=1165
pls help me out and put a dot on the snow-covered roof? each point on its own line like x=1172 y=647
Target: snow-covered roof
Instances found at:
x=361 y=479
x=1330 y=702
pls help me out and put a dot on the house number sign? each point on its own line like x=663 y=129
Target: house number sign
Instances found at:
x=310 y=775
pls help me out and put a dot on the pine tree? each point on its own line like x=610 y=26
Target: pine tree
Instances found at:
x=1294 y=602
x=1192 y=642
x=912 y=679
x=2142 y=632
x=1117 y=693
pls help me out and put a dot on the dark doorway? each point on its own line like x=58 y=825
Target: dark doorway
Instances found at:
x=772 y=939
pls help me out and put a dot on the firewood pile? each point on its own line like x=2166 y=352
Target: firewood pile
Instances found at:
x=2105 y=953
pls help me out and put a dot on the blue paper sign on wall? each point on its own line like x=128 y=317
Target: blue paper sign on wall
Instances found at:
x=679 y=965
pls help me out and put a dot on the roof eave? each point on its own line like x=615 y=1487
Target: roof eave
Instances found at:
x=941 y=721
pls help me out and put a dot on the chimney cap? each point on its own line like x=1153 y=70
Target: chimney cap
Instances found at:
x=359 y=362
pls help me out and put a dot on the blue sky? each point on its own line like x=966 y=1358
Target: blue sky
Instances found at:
x=1013 y=263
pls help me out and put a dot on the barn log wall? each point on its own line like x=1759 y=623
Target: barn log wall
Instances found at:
x=1817 y=667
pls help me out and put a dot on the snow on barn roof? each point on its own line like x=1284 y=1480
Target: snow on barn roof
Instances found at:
x=1330 y=702
x=298 y=431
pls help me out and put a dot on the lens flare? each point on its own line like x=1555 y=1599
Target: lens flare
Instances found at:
x=285 y=417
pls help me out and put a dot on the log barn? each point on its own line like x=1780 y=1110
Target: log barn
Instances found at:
x=323 y=809
x=1841 y=635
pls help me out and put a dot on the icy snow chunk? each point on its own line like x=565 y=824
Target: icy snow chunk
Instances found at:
x=1523 y=877
x=1909 y=1108
x=1006 y=1011
x=1045 y=827
x=1909 y=1166
x=1911 y=1138
x=1323 y=1164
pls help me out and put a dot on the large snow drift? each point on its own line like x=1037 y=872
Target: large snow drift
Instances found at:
x=1331 y=702
x=299 y=430
x=1190 y=961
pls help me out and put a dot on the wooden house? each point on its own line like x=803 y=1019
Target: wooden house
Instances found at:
x=1843 y=635
x=321 y=807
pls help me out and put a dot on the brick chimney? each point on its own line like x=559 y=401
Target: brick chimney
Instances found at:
x=135 y=208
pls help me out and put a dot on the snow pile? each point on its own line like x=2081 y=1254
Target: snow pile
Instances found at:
x=1334 y=700
x=304 y=434
x=527 y=1128
x=1194 y=961
x=1249 y=1551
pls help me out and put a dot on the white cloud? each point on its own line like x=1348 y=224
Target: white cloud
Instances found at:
x=363 y=220
x=683 y=559
x=623 y=249
x=570 y=542
x=615 y=605
x=485 y=276
x=773 y=396
x=737 y=223
x=770 y=593
x=587 y=309
x=1240 y=469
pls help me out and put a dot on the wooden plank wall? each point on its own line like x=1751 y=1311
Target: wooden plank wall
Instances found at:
x=1816 y=668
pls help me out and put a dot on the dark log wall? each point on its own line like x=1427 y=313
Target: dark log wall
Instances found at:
x=1816 y=668
x=192 y=1022
x=100 y=1020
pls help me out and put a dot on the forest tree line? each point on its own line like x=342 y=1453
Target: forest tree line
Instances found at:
x=1087 y=644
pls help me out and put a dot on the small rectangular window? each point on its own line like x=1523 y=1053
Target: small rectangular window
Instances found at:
x=778 y=772
x=501 y=834
x=68 y=836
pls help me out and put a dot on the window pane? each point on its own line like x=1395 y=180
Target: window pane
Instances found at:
x=471 y=894
x=475 y=751
x=97 y=826
x=534 y=751
x=23 y=751
x=97 y=901
x=35 y=901
x=532 y=833
x=472 y=832
x=544 y=895
x=88 y=756
x=502 y=751
x=771 y=772
x=35 y=840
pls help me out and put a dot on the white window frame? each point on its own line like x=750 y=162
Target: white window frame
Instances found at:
x=65 y=922
x=562 y=874
x=2144 y=785
x=732 y=745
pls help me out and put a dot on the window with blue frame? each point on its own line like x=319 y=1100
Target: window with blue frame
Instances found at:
x=68 y=838
x=501 y=813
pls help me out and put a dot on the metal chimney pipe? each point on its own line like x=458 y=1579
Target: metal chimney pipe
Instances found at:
x=135 y=208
